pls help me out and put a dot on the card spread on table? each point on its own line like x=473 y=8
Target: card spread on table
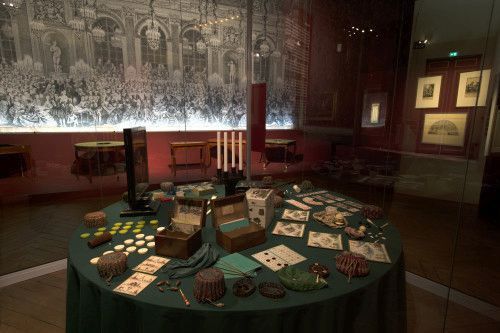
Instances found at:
x=236 y=265
x=278 y=257
x=298 y=204
x=341 y=205
x=372 y=251
x=354 y=204
x=322 y=198
x=333 y=197
x=325 y=240
x=295 y=215
x=135 y=284
x=151 y=265
x=353 y=209
x=310 y=193
x=289 y=229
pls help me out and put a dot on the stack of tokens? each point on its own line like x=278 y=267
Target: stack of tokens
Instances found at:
x=112 y=264
x=209 y=285
x=95 y=219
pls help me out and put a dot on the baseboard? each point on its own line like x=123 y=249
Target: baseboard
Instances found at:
x=472 y=303
x=427 y=285
x=33 y=272
x=455 y=296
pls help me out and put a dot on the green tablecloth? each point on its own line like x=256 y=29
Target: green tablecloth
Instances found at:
x=375 y=303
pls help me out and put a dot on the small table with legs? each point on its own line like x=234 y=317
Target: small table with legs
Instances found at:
x=186 y=145
x=95 y=151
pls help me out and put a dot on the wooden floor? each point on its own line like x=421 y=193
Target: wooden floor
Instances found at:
x=36 y=305
x=36 y=233
x=39 y=306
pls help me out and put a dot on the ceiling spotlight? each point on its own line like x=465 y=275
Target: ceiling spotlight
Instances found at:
x=421 y=44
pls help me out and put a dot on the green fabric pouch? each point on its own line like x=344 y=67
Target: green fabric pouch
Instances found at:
x=298 y=280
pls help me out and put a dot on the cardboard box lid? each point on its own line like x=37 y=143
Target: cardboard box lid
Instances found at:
x=259 y=194
x=228 y=209
x=189 y=211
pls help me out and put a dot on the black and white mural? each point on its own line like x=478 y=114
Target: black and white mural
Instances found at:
x=87 y=65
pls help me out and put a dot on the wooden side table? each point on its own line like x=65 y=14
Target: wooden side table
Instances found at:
x=186 y=145
x=24 y=153
x=94 y=148
x=280 y=143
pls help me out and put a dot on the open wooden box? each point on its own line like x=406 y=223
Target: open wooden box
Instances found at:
x=182 y=238
x=229 y=209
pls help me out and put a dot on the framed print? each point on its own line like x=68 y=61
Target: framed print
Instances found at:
x=428 y=92
x=446 y=129
x=374 y=109
x=323 y=108
x=473 y=86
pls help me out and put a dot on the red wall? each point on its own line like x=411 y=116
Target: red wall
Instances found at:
x=53 y=155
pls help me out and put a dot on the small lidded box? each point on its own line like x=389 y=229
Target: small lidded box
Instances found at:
x=182 y=238
x=260 y=206
x=234 y=232
x=204 y=189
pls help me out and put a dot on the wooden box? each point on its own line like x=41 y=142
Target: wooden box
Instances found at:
x=182 y=238
x=229 y=209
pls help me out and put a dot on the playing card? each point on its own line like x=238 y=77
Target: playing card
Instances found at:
x=278 y=257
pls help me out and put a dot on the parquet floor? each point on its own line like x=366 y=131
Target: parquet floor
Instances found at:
x=35 y=233
x=36 y=306
x=39 y=306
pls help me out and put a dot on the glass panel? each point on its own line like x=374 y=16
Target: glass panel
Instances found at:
x=397 y=106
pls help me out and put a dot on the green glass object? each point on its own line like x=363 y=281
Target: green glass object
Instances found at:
x=295 y=279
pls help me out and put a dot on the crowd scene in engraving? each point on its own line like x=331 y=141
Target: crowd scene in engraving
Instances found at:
x=109 y=95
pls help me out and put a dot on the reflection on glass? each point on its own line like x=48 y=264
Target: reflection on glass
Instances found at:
x=375 y=113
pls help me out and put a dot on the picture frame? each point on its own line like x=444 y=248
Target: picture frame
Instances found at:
x=428 y=92
x=374 y=109
x=444 y=139
x=324 y=107
x=445 y=129
x=472 y=88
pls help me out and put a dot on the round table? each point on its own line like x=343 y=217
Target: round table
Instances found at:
x=94 y=152
x=375 y=303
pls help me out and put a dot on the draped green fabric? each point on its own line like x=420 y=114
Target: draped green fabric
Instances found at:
x=375 y=303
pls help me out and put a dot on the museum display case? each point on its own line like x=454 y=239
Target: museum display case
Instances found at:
x=387 y=110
